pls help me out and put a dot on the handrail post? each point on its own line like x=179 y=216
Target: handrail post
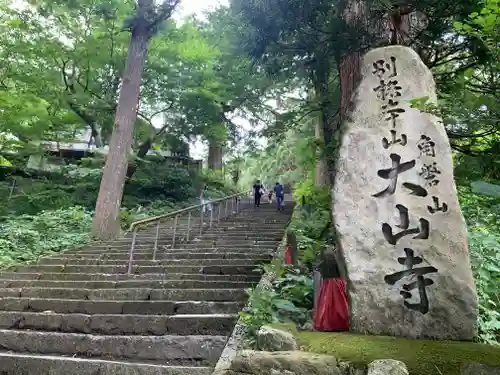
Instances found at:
x=201 y=218
x=218 y=213
x=189 y=210
x=176 y=218
x=225 y=210
x=156 y=239
x=189 y=226
x=131 y=254
x=211 y=216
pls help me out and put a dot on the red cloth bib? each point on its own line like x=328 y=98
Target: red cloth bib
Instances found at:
x=332 y=312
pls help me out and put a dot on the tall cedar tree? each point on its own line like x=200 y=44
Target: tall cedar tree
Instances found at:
x=143 y=26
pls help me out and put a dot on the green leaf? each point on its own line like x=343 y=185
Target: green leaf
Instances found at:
x=285 y=305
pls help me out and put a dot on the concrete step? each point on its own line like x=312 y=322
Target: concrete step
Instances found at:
x=79 y=312
x=162 y=255
x=119 y=324
x=75 y=306
x=252 y=232
x=152 y=348
x=31 y=364
x=227 y=247
x=202 y=249
x=236 y=241
x=153 y=284
x=73 y=261
x=121 y=276
x=240 y=269
x=136 y=294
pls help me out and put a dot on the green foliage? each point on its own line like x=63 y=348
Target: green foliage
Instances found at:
x=289 y=298
x=289 y=157
x=49 y=216
x=483 y=218
x=25 y=238
x=153 y=182
x=290 y=295
x=311 y=222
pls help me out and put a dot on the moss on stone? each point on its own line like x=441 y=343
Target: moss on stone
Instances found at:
x=423 y=357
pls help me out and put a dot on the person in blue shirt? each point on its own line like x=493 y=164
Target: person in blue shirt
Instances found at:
x=279 y=191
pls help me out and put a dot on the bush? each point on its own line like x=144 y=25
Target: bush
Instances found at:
x=55 y=213
x=482 y=214
x=26 y=238
x=152 y=182
x=289 y=298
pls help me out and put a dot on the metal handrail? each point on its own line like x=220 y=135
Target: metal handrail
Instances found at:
x=134 y=227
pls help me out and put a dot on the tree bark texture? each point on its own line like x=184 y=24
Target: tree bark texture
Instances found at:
x=215 y=156
x=325 y=122
x=321 y=170
x=106 y=224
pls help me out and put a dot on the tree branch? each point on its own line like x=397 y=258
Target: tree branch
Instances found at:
x=164 y=12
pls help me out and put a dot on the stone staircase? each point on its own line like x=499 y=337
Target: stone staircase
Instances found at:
x=79 y=313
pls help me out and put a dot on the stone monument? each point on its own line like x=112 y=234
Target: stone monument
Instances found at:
x=402 y=235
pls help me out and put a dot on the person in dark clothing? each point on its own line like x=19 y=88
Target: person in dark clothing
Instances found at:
x=280 y=195
x=258 y=190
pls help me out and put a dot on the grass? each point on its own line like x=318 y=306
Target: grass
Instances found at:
x=423 y=357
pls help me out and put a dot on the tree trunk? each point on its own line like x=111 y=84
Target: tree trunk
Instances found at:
x=321 y=170
x=349 y=68
x=324 y=128
x=106 y=222
x=215 y=156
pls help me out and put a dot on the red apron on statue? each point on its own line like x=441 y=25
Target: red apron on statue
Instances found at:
x=288 y=255
x=332 y=311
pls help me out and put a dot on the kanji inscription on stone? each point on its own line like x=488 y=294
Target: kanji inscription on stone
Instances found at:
x=393 y=194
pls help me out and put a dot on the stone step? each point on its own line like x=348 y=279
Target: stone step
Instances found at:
x=152 y=348
x=223 y=240
x=119 y=324
x=213 y=270
x=195 y=229
x=31 y=363
x=146 y=294
x=241 y=223
x=73 y=261
x=74 y=306
x=162 y=255
x=226 y=247
x=121 y=276
x=202 y=249
x=152 y=284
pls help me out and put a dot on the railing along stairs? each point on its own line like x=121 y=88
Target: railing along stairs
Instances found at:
x=181 y=225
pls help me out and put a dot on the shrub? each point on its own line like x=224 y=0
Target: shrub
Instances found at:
x=28 y=237
x=482 y=214
x=289 y=298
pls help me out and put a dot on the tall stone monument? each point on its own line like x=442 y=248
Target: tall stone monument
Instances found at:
x=402 y=235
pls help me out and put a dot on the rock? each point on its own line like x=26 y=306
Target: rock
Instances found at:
x=348 y=368
x=391 y=220
x=307 y=326
x=249 y=362
x=275 y=340
x=387 y=367
x=479 y=369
